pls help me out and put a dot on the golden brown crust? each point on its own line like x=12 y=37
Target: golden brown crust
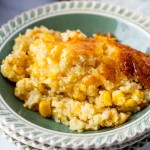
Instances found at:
x=117 y=59
x=110 y=70
x=134 y=64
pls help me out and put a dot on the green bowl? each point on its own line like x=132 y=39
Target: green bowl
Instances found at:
x=89 y=17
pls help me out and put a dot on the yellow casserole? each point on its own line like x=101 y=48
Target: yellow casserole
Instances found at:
x=85 y=83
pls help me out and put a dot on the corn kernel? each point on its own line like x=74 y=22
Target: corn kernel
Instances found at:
x=83 y=87
x=138 y=96
x=106 y=97
x=52 y=75
x=45 y=109
x=130 y=103
x=36 y=64
x=99 y=109
x=41 y=79
x=80 y=97
x=49 y=38
x=118 y=98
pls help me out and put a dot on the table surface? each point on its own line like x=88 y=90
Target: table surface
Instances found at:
x=11 y=8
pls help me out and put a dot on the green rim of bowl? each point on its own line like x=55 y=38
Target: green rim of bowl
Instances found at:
x=54 y=138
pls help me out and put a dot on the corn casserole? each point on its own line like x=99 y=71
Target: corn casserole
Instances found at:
x=84 y=83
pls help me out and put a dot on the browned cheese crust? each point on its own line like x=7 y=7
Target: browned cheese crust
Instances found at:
x=134 y=64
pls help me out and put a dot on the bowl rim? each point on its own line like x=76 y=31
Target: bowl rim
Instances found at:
x=26 y=143
x=68 y=140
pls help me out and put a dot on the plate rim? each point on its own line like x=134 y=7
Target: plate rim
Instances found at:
x=25 y=143
x=66 y=139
